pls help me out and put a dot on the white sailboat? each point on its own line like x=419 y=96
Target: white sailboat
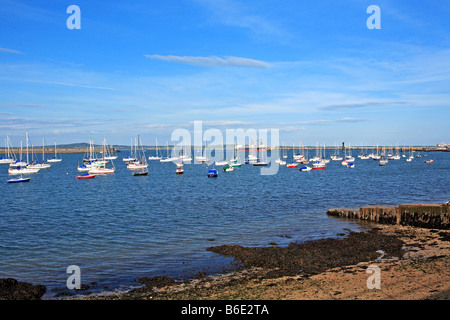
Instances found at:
x=156 y=156
x=140 y=169
x=383 y=159
x=349 y=157
x=19 y=162
x=138 y=164
x=41 y=165
x=131 y=157
x=23 y=169
x=168 y=157
x=90 y=159
x=55 y=158
x=179 y=169
x=101 y=167
x=336 y=155
x=376 y=156
x=9 y=156
x=202 y=158
x=263 y=161
x=110 y=156
x=187 y=154
x=281 y=160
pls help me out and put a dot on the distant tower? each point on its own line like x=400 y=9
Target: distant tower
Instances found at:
x=343 y=147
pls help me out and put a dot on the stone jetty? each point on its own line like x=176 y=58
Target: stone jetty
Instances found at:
x=436 y=216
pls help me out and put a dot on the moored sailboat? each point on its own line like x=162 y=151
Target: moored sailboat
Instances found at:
x=101 y=167
x=55 y=158
x=9 y=156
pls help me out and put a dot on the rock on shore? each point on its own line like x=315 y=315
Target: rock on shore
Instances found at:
x=11 y=289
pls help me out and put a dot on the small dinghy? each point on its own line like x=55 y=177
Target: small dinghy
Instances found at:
x=86 y=176
x=212 y=173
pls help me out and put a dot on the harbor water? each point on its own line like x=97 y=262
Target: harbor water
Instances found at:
x=118 y=227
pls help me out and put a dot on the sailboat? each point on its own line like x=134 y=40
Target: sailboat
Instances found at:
x=252 y=153
x=90 y=159
x=344 y=162
x=349 y=157
x=376 y=156
x=336 y=156
x=261 y=162
x=179 y=169
x=19 y=162
x=101 y=167
x=110 y=156
x=221 y=163
x=41 y=165
x=9 y=156
x=202 y=157
x=55 y=158
x=293 y=164
x=234 y=162
x=227 y=168
x=409 y=159
x=21 y=179
x=131 y=157
x=187 y=154
x=281 y=160
x=383 y=159
x=22 y=169
x=139 y=167
x=156 y=156
x=319 y=165
x=167 y=158
x=142 y=170
x=135 y=165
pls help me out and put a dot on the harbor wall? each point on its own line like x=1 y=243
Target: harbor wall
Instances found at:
x=436 y=216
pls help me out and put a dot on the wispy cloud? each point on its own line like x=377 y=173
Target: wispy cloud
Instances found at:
x=225 y=122
x=21 y=123
x=363 y=105
x=325 y=121
x=212 y=61
x=10 y=51
x=68 y=84
x=238 y=14
x=20 y=105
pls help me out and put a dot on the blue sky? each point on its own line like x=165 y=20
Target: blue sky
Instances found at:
x=311 y=69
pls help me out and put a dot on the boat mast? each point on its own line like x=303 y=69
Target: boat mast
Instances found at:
x=27 y=144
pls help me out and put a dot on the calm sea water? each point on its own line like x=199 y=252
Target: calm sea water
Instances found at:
x=116 y=227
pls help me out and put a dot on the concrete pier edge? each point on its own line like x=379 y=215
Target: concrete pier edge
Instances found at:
x=423 y=215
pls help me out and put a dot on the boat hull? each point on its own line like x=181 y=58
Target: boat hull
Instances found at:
x=88 y=176
x=104 y=171
x=18 y=180
x=140 y=173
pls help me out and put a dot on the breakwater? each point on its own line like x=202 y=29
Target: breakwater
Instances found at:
x=435 y=216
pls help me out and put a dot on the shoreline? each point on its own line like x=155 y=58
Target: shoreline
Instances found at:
x=415 y=265
x=118 y=149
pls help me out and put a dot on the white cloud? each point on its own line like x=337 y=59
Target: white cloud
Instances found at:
x=212 y=61
x=10 y=51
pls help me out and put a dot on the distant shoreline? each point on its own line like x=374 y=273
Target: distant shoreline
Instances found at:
x=49 y=150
